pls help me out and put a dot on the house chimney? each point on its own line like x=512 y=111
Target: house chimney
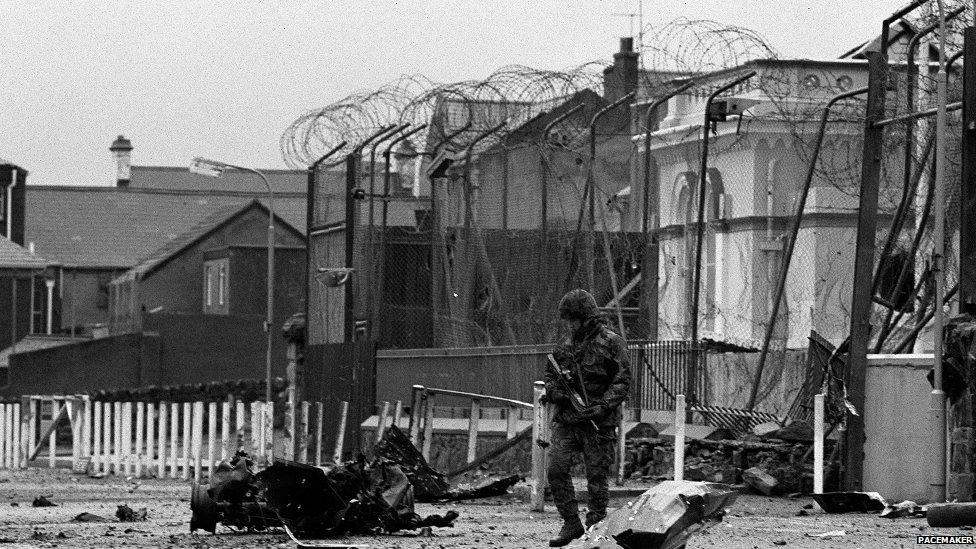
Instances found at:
x=621 y=78
x=122 y=152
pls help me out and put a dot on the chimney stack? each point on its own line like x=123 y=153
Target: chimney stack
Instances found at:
x=620 y=78
x=122 y=152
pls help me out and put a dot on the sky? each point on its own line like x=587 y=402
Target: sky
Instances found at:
x=224 y=79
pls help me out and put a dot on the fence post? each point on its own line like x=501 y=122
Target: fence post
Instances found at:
x=621 y=445
x=319 y=416
x=511 y=422
x=162 y=434
x=269 y=428
x=255 y=438
x=75 y=421
x=818 y=443
x=291 y=427
x=18 y=433
x=381 y=421
x=127 y=437
x=187 y=436
x=538 y=456
x=3 y=435
x=26 y=430
x=117 y=437
x=96 y=458
x=197 y=441
x=150 y=437
x=240 y=424
x=140 y=436
x=416 y=396
x=341 y=432
x=211 y=437
x=86 y=429
x=397 y=413
x=473 y=429
x=428 y=423
x=679 y=438
x=224 y=430
x=303 y=433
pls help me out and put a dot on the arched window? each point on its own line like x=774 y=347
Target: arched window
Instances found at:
x=717 y=207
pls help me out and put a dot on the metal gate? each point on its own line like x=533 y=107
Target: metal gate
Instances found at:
x=664 y=369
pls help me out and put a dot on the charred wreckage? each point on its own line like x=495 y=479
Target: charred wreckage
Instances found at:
x=356 y=497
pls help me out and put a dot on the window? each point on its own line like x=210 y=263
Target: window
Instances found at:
x=716 y=208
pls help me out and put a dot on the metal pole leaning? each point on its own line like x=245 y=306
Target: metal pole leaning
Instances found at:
x=791 y=242
x=538 y=453
x=621 y=445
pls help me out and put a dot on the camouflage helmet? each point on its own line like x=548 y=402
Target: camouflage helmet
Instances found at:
x=578 y=304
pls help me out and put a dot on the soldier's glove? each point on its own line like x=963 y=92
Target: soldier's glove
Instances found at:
x=597 y=410
x=556 y=396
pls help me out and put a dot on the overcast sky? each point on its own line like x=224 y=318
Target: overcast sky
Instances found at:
x=224 y=79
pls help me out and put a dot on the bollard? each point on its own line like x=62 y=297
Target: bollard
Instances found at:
x=473 y=429
x=818 y=443
x=679 y=438
x=340 y=432
x=538 y=455
x=416 y=395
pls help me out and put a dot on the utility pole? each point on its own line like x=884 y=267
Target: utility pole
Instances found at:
x=967 y=209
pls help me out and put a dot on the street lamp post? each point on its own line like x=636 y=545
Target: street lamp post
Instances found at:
x=213 y=168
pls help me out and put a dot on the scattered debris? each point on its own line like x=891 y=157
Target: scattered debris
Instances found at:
x=663 y=517
x=89 y=517
x=802 y=513
x=904 y=509
x=42 y=501
x=850 y=502
x=808 y=506
x=951 y=514
x=430 y=485
x=127 y=514
x=311 y=502
x=831 y=534
x=779 y=542
x=760 y=480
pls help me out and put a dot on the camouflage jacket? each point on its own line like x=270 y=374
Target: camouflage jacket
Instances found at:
x=597 y=361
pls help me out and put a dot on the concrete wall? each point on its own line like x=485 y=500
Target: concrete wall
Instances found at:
x=898 y=448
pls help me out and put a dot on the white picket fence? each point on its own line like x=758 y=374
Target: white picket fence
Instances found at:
x=162 y=439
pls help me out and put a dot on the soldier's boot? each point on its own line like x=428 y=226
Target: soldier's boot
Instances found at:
x=572 y=529
x=593 y=517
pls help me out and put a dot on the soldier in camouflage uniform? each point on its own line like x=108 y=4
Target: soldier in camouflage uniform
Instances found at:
x=596 y=359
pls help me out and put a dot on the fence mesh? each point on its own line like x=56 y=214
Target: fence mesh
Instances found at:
x=511 y=190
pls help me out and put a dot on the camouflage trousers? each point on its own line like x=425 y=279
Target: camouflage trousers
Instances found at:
x=597 y=450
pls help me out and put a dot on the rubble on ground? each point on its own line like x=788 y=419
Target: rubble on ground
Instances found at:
x=356 y=497
x=781 y=458
x=664 y=517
